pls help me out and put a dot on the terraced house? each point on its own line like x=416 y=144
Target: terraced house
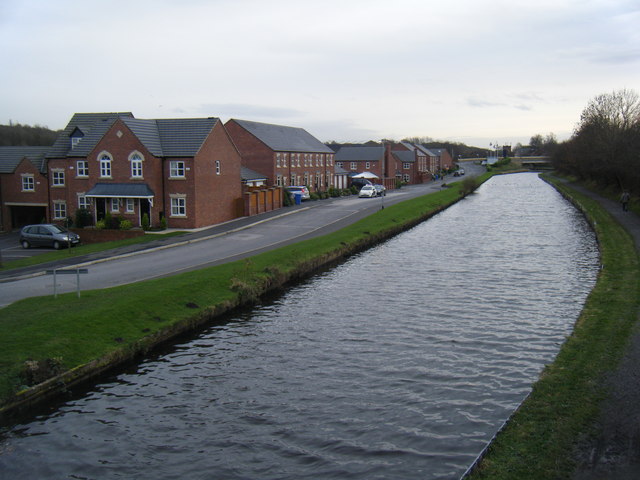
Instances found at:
x=186 y=171
x=284 y=155
x=23 y=186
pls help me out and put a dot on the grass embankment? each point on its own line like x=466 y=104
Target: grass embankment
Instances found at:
x=82 y=250
x=539 y=440
x=112 y=325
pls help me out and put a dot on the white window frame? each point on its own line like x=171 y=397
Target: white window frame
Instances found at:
x=83 y=202
x=59 y=209
x=178 y=206
x=82 y=168
x=105 y=160
x=28 y=183
x=406 y=166
x=136 y=165
x=115 y=204
x=278 y=156
x=177 y=169
x=367 y=165
x=406 y=178
x=130 y=205
x=57 y=175
x=218 y=167
x=353 y=166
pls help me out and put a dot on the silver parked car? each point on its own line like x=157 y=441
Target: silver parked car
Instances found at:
x=47 y=235
x=367 y=191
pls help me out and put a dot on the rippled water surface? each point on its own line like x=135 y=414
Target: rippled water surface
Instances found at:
x=399 y=364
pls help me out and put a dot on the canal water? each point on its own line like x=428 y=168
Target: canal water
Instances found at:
x=400 y=363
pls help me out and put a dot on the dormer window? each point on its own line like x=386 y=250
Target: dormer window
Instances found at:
x=75 y=137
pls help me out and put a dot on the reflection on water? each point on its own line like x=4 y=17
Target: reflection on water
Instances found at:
x=399 y=364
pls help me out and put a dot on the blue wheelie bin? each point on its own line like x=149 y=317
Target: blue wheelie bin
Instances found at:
x=298 y=198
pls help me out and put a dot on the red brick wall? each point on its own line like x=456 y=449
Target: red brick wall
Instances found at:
x=255 y=154
x=216 y=195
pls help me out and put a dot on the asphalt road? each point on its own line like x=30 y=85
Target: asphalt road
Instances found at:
x=220 y=244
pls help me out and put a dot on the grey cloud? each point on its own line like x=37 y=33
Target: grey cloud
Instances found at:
x=238 y=110
x=475 y=102
x=618 y=58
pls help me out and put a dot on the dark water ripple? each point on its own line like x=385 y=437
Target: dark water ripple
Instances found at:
x=399 y=364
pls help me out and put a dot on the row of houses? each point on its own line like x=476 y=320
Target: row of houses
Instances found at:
x=188 y=172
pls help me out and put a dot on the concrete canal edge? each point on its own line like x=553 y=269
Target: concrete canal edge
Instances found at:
x=57 y=387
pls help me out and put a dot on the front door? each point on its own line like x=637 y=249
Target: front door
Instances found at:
x=101 y=208
x=145 y=208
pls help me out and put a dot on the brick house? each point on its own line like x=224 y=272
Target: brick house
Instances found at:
x=445 y=160
x=406 y=166
x=284 y=155
x=367 y=158
x=184 y=170
x=23 y=186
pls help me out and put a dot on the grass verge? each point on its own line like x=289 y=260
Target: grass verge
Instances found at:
x=83 y=250
x=539 y=440
x=105 y=327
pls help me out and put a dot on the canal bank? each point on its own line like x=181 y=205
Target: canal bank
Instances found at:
x=120 y=324
x=581 y=419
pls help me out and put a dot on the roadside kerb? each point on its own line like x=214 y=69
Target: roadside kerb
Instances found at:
x=153 y=249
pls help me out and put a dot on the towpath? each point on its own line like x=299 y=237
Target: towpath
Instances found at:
x=615 y=452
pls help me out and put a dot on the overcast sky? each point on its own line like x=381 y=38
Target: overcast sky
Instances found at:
x=473 y=71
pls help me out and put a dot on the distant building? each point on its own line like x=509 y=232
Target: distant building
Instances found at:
x=284 y=155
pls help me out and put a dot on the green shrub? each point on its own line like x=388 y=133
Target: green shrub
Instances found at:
x=101 y=224
x=469 y=185
x=83 y=218
x=287 y=199
x=145 y=222
x=163 y=223
x=126 y=224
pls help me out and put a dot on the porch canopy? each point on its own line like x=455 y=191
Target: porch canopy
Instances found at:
x=366 y=175
x=121 y=190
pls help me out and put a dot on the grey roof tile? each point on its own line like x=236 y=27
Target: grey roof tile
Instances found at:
x=10 y=157
x=284 y=139
x=404 y=156
x=147 y=133
x=92 y=125
x=122 y=190
x=183 y=137
x=359 y=153
x=248 y=175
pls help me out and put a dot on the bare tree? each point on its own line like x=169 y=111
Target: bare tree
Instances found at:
x=606 y=141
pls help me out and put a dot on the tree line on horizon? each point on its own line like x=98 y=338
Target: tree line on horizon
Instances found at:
x=605 y=146
x=17 y=135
